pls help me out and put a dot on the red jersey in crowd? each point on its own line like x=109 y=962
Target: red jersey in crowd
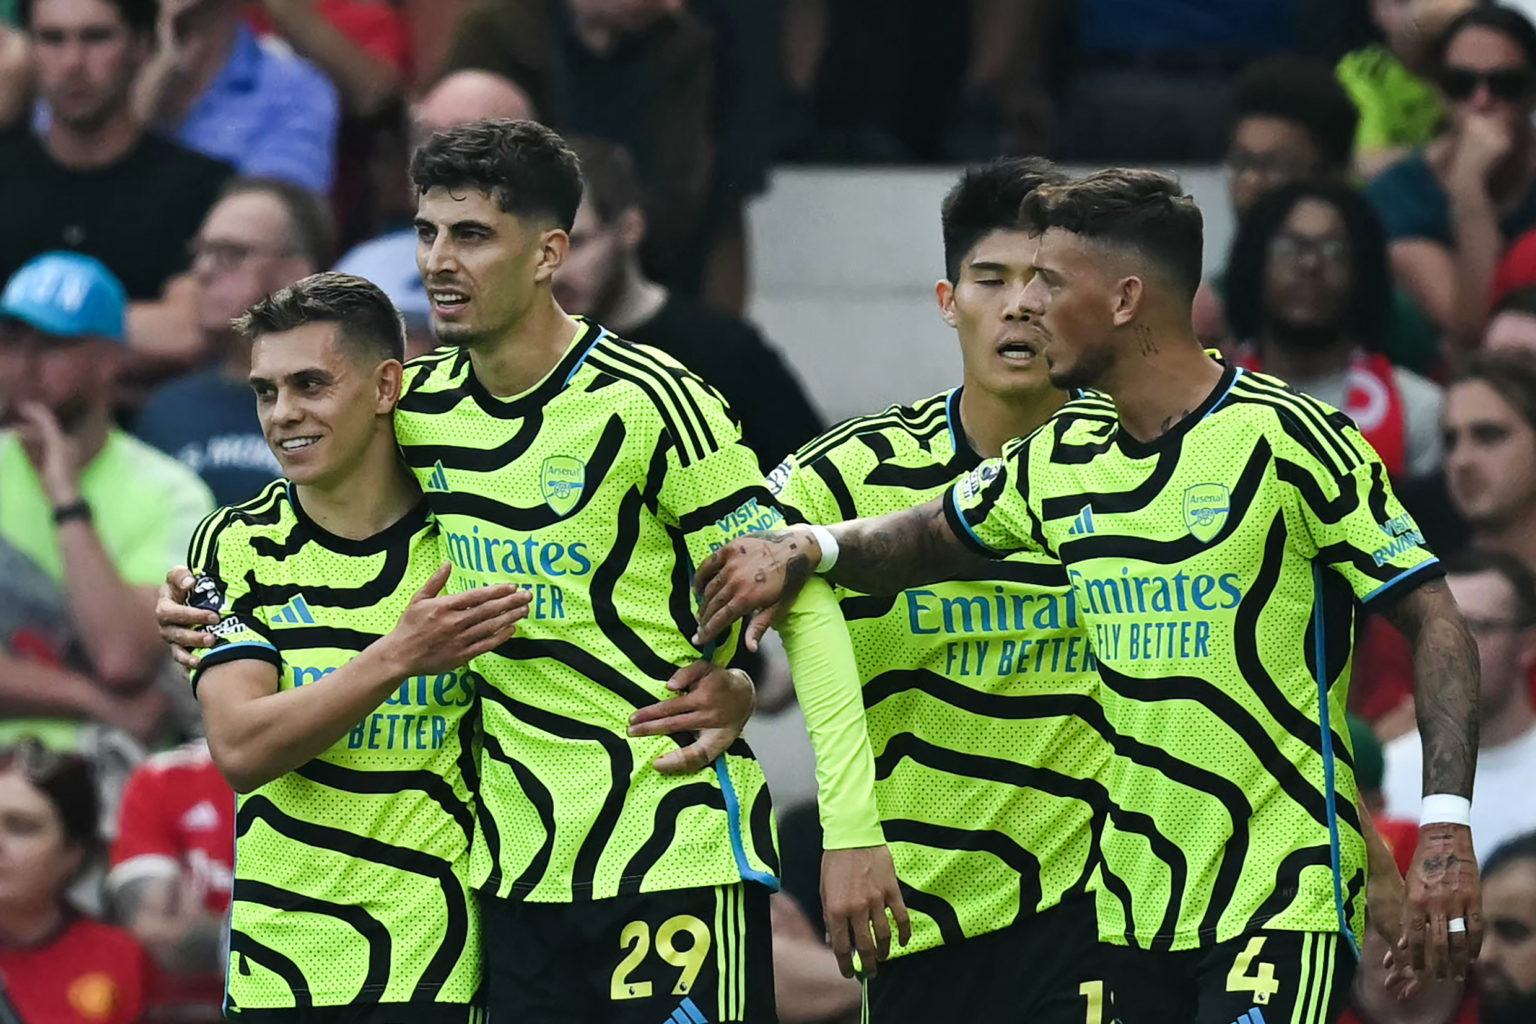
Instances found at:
x=178 y=821
x=89 y=973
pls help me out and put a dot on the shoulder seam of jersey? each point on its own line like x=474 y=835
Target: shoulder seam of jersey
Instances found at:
x=1310 y=416
x=894 y=416
x=207 y=534
x=684 y=419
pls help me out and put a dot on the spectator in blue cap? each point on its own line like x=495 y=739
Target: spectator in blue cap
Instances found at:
x=96 y=513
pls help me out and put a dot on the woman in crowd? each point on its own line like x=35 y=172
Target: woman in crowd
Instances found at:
x=58 y=966
x=1452 y=208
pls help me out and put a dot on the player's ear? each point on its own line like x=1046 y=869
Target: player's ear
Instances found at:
x=1130 y=293
x=554 y=246
x=631 y=224
x=944 y=292
x=388 y=379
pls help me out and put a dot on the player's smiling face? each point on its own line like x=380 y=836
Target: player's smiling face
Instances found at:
x=481 y=265
x=320 y=408
x=999 y=341
x=1073 y=299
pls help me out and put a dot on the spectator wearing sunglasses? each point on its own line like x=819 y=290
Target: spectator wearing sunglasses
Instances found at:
x=1450 y=209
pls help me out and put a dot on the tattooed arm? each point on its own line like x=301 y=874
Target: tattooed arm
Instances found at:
x=1442 y=880
x=762 y=572
x=1445 y=680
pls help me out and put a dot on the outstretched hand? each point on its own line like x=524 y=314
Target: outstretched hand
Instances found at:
x=758 y=575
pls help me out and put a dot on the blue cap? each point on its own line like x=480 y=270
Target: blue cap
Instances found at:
x=67 y=294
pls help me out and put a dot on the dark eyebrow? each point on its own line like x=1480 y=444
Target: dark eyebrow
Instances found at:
x=987 y=267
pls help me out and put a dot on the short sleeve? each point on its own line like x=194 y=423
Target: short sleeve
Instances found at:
x=802 y=491
x=714 y=489
x=1357 y=527
x=221 y=561
x=1410 y=202
x=987 y=508
x=146 y=844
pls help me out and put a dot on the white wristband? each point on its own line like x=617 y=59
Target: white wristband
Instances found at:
x=1445 y=809
x=828 y=547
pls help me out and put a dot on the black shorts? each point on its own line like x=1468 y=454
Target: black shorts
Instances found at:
x=1261 y=977
x=689 y=956
x=1046 y=969
x=376 y=1013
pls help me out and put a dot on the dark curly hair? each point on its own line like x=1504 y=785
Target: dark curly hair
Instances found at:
x=1370 y=294
x=528 y=168
x=986 y=199
x=1306 y=91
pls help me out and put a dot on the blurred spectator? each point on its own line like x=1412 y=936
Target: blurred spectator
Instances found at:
x=15 y=73
x=58 y=966
x=172 y=869
x=808 y=988
x=1451 y=208
x=637 y=72
x=1512 y=325
x=1506 y=967
x=1292 y=120
x=1399 y=109
x=601 y=278
x=363 y=46
x=1497 y=593
x=1309 y=298
x=94 y=181
x=98 y=513
x=389 y=261
x=216 y=88
x=1490 y=456
x=264 y=234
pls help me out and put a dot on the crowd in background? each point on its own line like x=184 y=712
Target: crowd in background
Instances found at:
x=178 y=160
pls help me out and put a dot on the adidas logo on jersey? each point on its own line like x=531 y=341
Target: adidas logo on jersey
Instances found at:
x=687 y=1013
x=1253 y=1016
x=1083 y=523
x=201 y=818
x=437 y=480
x=295 y=612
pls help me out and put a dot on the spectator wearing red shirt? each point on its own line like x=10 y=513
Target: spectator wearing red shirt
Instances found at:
x=172 y=868
x=58 y=966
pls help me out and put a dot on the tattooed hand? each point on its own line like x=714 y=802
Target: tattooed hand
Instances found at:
x=1442 y=887
x=759 y=575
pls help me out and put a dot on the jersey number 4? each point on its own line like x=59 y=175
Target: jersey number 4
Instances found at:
x=1261 y=982
x=636 y=938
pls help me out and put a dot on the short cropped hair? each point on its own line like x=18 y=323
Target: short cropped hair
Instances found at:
x=1305 y=91
x=1127 y=208
x=1510 y=374
x=1476 y=561
x=609 y=179
x=370 y=325
x=140 y=15
x=1370 y=296
x=526 y=167
x=311 y=228
x=1520 y=848
x=986 y=199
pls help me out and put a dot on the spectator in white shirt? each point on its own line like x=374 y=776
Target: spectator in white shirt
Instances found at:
x=1497 y=593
